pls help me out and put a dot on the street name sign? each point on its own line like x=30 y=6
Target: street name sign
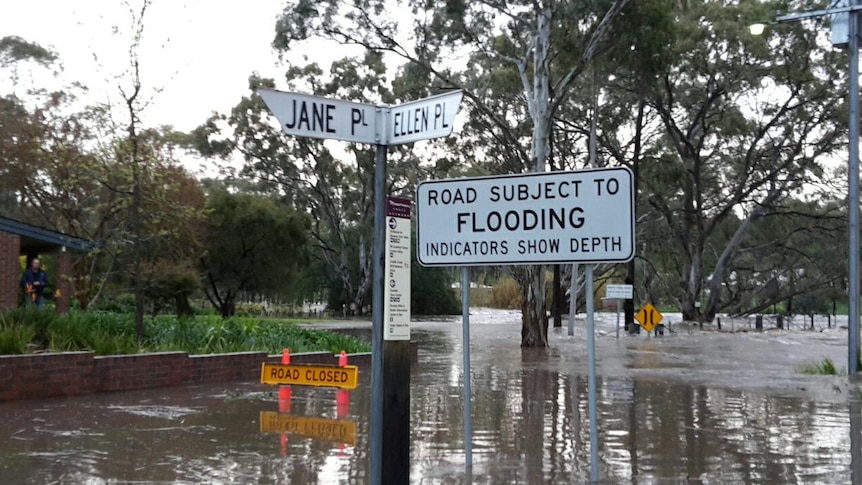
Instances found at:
x=334 y=119
x=649 y=317
x=584 y=216
x=427 y=118
x=345 y=377
x=319 y=117
x=619 y=292
x=339 y=431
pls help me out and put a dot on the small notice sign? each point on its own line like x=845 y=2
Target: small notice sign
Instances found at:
x=339 y=431
x=619 y=292
x=345 y=377
x=396 y=313
x=649 y=317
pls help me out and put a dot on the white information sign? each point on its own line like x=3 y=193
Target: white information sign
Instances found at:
x=319 y=117
x=427 y=118
x=586 y=216
x=396 y=313
x=619 y=292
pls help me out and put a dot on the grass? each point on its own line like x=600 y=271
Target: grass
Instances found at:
x=826 y=367
x=114 y=333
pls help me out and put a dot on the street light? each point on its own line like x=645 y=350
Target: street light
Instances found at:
x=845 y=33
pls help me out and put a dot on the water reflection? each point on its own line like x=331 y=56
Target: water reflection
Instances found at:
x=529 y=427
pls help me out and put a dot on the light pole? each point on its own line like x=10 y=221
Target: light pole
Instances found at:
x=848 y=12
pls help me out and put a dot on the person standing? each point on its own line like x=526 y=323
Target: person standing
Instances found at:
x=33 y=282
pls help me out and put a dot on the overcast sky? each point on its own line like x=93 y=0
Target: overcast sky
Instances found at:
x=200 y=53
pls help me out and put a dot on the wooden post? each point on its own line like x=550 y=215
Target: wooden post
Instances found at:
x=758 y=322
x=780 y=321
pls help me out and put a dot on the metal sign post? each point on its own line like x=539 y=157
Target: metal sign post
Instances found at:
x=591 y=377
x=468 y=413
x=326 y=118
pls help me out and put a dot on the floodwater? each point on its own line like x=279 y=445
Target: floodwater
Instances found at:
x=689 y=407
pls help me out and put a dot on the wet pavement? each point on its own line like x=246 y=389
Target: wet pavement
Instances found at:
x=689 y=407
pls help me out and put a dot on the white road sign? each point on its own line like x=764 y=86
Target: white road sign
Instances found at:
x=319 y=117
x=423 y=119
x=335 y=119
x=584 y=216
x=619 y=292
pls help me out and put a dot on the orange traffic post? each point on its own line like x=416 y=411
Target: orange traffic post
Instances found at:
x=284 y=391
x=342 y=397
x=284 y=400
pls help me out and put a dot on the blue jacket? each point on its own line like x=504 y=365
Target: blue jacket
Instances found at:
x=29 y=277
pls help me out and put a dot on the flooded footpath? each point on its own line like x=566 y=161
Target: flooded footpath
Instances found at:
x=689 y=407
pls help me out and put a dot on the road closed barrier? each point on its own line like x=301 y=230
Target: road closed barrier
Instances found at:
x=345 y=377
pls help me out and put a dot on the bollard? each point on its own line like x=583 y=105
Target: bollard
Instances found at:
x=342 y=396
x=812 y=321
x=780 y=321
x=284 y=391
x=284 y=400
x=718 y=321
x=828 y=320
x=758 y=322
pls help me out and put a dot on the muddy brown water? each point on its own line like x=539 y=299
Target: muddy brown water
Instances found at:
x=690 y=407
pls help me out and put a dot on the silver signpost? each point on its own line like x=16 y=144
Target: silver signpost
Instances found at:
x=333 y=119
x=468 y=413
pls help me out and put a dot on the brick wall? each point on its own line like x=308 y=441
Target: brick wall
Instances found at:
x=73 y=373
x=10 y=270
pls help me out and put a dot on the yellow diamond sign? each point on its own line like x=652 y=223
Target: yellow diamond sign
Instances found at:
x=649 y=317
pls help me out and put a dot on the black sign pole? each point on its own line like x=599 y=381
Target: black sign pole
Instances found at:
x=377 y=358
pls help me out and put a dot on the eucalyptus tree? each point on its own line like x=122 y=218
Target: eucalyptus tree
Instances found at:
x=748 y=123
x=497 y=39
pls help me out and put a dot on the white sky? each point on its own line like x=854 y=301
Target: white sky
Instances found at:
x=198 y=53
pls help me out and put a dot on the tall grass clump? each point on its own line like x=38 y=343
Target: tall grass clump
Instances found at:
x=100 y=333
x=212 y=334
x=826 y=367
x=104 y=333
x=14 y=337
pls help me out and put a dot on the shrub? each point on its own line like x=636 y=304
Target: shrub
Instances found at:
x=506 y=294
x=15 y=338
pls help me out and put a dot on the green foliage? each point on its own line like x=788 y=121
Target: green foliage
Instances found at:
x=826 y=367
x=431 y=292
x=15 y=337
x=808 y=304
x=39 y=320
x=101 y=333
x=253 y=244
x=205 y=335
x=113 y=334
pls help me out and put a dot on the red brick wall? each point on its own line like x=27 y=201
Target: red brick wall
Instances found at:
x=63 y=283
x=10 y=270
x=74 y=373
